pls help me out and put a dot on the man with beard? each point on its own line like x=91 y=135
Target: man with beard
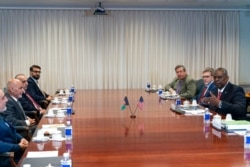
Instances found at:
x=226 y=98
x=10 y=141
x=182 y=84
x=38 y=95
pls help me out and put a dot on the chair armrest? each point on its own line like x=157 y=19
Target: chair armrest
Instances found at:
x=10 y=156
x=22 y=128
x=31 y=112
x=7 y=154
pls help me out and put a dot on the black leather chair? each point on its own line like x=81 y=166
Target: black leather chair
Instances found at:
x=7 y=159
x=199 y=84
x=24 y=131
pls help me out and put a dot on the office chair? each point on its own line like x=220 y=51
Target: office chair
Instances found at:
x=8 y=158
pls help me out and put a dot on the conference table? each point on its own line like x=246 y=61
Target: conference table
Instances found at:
x=106 y=136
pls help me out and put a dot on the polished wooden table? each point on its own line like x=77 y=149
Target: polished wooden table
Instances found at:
x=105 y=136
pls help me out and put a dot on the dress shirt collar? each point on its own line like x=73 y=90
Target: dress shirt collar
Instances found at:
x=14 y=98
x=209 y=84
x=221 y=90
x=36 y=81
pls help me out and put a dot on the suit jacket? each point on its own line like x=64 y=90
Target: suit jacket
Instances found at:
x=233 y=102
x=187 y=90
x=207 y=94
x=27 y=103
x=35 y=91
x=9 y=140
x=14 y=113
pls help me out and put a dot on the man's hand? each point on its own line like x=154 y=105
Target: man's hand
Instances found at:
x=32 y=121
x=212 y=101
x=23 y=143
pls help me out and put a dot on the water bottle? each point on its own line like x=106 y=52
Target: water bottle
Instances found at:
x=148 y=85
x=207 y=116
x=66 y=161
x=70 y=98
x=178 y=102
x=160 y=91
x=68 y=131
x=72 y=89
x=247 y=138
x=69 y=110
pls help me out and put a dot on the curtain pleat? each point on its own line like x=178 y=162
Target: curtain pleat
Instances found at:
x=123 y=50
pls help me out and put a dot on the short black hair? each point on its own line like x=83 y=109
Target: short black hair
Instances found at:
x=180 y=66
x=34 y=66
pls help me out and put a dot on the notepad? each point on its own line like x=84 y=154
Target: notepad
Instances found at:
x=39 y=154
x=235 y=125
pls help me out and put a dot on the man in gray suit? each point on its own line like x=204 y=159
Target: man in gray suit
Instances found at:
x=10 y=141
x=15 y=114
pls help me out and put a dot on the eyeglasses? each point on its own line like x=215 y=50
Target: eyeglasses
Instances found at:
x=36 y=71
x=206 y=76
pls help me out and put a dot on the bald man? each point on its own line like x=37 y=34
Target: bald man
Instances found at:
x=10 y=141
x=15 y=114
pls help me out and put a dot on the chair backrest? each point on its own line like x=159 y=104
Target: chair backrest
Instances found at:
x=199 y=84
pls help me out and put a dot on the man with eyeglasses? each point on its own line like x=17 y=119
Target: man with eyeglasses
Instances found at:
x=226 y=98
x=10 y=141
x=208 y=84
x=40 y=96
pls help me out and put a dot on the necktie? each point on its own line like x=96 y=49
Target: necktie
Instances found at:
x=219 y=95
x=202 y=93
x=179 y=86
x=37 y=106
x=21 y=110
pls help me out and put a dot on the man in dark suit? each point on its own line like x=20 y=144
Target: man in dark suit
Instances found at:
x=38 y=95
x=28 y=103
x=10 y=141
x=208 y=84
x=15 y=114
x=226 y=98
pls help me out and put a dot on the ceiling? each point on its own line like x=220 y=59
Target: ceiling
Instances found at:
x=129 y=4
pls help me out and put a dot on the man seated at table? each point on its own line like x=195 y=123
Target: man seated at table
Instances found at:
x=40 y=96
x=183 y=84
x=15 y=114
x=27 y=102
x=226 y=98
x=208 y=80
x=10 y=141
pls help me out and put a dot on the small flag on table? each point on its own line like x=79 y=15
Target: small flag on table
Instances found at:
x=126 y=103
x=140 y=104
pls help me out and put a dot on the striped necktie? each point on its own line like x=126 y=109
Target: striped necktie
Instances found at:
x=37 y=106
x=219 y=95
x=179 y=86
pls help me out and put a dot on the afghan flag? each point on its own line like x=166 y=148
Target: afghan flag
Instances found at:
x=126 y=103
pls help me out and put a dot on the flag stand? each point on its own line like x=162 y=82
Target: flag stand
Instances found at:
x=139 y=105
x=133 y=116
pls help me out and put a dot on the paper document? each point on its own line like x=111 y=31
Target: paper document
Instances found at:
x=235 y=125
x=194 y=112
x=53 y=126
x=39 y=154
